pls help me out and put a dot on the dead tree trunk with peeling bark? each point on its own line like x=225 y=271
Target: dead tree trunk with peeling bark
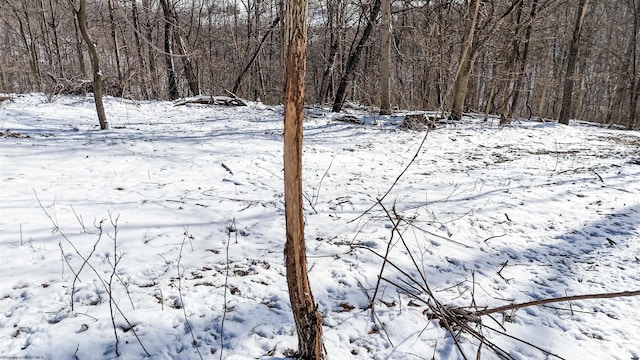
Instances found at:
x=306 y=316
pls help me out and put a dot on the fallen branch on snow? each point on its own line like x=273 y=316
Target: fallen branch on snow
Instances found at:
x=212 y=100
x=556 y=300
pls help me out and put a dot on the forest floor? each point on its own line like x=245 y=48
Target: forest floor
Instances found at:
x=167 y=233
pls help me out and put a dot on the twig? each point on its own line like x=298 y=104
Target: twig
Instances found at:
x=415 y=156
x=226 y=284
x=384 y=262
x=598 y=175
x=494 y=237
x=504 y=264
x=555 y=167
x=316 y=195
x=85 y=260
x=110 y=283
x=126 y=289
x=95 y=271
x=439 y=236
x=80 y=220
x=425 y=285
x=556 y=300
x=184 y=311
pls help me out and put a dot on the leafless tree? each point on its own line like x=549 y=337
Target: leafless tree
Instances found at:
x=81 y=15
x=572 y=60
x=307 y=318
x=385 y=58
x=505 y=57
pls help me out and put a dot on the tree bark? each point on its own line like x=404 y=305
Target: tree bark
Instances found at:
x=334 y=9
x=385 y=59
x=253 y=58
x=572 y=59
x=116 y=47
x=354 y=59
x=461 y=82
x=523 y=63
x=27 y=37
x=633 y=59
x=189 y=71
x=56 y=41
x=153 y=69
x=142 y=71
x=81 y=15
x=79 y=52
x=469 y=53
x=306 y=316
x=510 y=67
x=172 y=82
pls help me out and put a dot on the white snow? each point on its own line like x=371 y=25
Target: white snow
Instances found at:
x=195 y=193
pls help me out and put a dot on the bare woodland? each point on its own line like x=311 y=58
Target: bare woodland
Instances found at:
x=511 y=58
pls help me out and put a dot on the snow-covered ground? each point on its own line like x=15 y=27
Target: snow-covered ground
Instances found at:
x=177 y=212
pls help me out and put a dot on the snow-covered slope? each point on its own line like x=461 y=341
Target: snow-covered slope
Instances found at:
x=186 y=203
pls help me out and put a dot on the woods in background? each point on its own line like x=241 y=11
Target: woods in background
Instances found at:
x=502 y=57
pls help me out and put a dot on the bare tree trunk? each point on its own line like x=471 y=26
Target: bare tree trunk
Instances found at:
x=510 y=67
x=385 y=59
x=3 y=76
x=29 y=41
x=354 y=59
x=572 y=59
x=56 y=40
x=189 y=71
x=116 y=48
x=142 y=71
x=153 y=69
x=172 y=35
x=246 y=68
x=306 y=316
x=469 y=53
x=633 y=58
x=46 y=35
x=172 y=82
x=461 y=82
x=335 y=29
x=489 y=106
x=523 y=63
x=81 y=15
x=79 y=52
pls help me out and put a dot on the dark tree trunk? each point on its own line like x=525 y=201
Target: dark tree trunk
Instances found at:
x=633 y=58
x=335 y=29
x=385 y=59
x=153 y=70
x=517 y=91
x=116 y=47
x=172 y=82
x=572 y=60
x=142 y=71
x=253 y=58
x=56 y=40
